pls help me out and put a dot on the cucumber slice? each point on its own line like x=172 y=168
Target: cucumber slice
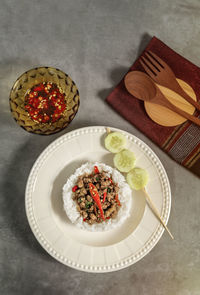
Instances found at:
x=124 y=161
x=115 y=142
x=137 y=178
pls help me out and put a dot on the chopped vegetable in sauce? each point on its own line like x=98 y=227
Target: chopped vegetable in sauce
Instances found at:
x=45 y=102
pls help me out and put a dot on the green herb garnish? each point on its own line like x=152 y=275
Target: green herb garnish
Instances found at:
x=88 y=204
x=108 y=190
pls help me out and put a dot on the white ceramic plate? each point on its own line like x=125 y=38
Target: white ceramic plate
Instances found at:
x=83 y=250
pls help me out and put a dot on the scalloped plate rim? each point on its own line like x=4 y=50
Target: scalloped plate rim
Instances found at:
x=38 y=235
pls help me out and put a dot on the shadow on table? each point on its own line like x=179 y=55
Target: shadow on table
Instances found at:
x=14 y=184
x=15 y=175
x=118 y=73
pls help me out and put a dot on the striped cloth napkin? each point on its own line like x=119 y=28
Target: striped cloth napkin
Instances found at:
x=181 y=142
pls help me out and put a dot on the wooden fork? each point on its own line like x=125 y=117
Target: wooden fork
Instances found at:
x=162 y=74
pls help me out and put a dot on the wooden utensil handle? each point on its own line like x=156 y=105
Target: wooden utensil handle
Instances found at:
x=187 y=97
x=181 y=112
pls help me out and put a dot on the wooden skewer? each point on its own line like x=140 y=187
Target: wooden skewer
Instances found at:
x=108 y=130
x=155 y=211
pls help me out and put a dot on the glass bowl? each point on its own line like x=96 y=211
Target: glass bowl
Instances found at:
x=36 y=76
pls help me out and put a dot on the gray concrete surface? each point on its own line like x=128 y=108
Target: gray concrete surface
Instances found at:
x=95 y=42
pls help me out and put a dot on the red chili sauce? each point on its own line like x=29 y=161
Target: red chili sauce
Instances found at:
x=45 y=102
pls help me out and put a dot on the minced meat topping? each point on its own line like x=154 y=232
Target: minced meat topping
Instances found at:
x=96 y=196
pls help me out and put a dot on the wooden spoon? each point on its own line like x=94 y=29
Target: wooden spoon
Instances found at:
x=142 y=87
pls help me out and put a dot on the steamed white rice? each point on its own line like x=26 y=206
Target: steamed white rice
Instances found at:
x=124 y=195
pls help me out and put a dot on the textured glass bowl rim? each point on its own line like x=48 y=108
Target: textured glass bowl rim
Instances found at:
x=37 y=68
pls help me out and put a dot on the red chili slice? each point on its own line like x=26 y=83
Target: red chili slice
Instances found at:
x=104 y=196
x=38 y=88
x=94 y=194
x=117 y=200
x=96 y=170
x=75 y=188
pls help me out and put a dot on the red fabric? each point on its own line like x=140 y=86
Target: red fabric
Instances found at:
x=133 y=109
